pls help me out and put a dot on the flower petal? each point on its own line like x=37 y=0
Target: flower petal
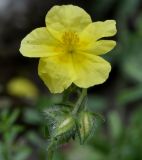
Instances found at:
x=97 y=30
x=99 y=47
x=67 y=17
x=39 y=43
x=90 y=70
x=57 y=72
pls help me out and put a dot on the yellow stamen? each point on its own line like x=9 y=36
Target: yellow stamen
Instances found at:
x=70 y=40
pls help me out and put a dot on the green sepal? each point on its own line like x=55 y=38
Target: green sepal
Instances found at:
x=85 y=126
x=53 y=115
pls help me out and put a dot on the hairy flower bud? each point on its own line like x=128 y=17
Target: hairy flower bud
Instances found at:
x=64 y=126
x=86 y=125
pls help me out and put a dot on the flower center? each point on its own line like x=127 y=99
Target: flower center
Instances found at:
x=70 y=41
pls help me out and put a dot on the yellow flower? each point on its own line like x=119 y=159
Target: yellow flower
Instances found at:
x=22 y=87
x=69 y=48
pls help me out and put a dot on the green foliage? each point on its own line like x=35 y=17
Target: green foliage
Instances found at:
x=31 y=116
x=129 y=95
x=10 y=148
x=24 y=134
x=114 y=124
x=119 y=142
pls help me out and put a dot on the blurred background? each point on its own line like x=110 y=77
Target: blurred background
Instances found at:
x=23 y=95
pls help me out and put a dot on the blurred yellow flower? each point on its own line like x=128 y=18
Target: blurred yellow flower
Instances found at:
x=69 y=48
x=22 y=87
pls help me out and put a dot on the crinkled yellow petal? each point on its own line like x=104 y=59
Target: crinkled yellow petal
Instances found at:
x=39 y=43
x=67 y=17
x=57 y=72
x=97 y=30
x=99 y=47
x=90 y=70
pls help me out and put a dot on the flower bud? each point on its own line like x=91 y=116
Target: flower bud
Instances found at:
x=86 y=125
x=64 y=126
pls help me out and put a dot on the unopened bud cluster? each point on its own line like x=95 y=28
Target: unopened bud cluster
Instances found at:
x=67 y=126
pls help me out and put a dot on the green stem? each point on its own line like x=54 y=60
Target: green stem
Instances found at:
x=80 y=100
x=50 y=154
x=75 y=110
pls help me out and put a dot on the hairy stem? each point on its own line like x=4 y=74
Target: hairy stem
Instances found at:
x=80 y=100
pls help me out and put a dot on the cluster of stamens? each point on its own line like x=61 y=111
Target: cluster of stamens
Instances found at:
x=70 y=40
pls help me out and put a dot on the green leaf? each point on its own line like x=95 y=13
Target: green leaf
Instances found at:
x=7 y=119
x=115 y=124
x=12 y=133
x=23 y=153
x=130 y=95
x=131 y=59
x=32 y=116
x=13 y=116
x=34 y=138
